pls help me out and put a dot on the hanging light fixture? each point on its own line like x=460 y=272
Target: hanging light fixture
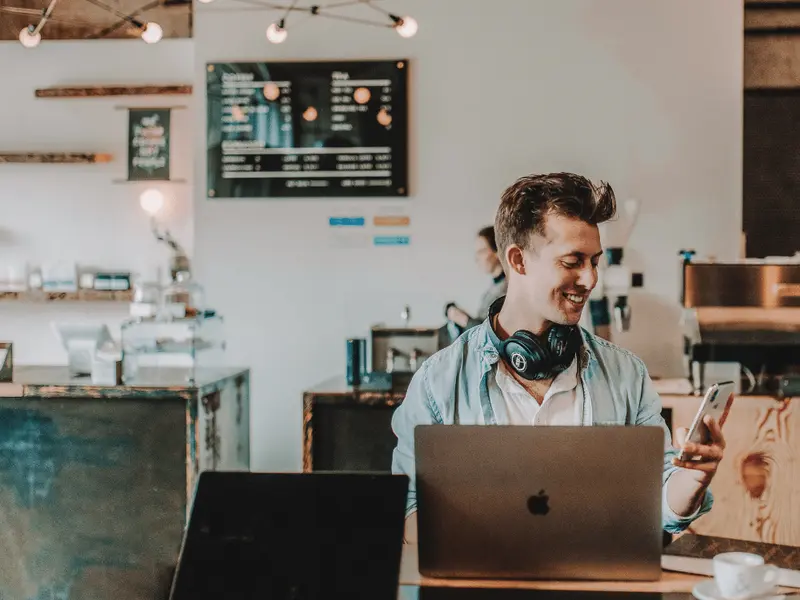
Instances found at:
x=152 y=32
x=405 y=26
x=31 y=36
x=276 y=32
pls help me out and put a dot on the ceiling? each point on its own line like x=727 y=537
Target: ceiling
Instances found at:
x=96 y=19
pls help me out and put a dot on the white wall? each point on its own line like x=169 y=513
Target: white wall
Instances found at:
x=76 y=212
x=645 y=95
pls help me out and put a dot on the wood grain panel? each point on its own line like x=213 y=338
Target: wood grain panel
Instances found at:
x=759 y=480
x=113 y=90
x=79 y=296
x=53 y=157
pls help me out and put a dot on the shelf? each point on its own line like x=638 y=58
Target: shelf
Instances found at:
x=98 y=91
x=80 y=296
x=54 y=157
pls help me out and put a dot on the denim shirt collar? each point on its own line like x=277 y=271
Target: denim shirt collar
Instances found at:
x=490 y=356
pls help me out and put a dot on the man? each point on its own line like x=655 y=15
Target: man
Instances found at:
x=548 y=239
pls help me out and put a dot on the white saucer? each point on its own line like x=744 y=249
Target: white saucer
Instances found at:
x=707 y=590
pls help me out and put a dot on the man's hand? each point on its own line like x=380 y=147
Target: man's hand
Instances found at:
x=457 y=316
x=687 y=488
x=702 y=459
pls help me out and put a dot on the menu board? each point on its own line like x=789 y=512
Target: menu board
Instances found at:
x=148 y=144
x=307 y=129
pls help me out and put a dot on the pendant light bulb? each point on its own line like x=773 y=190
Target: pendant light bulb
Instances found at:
x=29 y=39
x=406 y=27
x=152 y=33
x=276 y=32
x=152 y=201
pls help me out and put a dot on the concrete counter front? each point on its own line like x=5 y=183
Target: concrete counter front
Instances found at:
x=95 y=481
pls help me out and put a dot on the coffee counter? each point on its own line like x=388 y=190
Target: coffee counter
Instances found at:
x=96 y=481
x=166 y=383
x=348 y=428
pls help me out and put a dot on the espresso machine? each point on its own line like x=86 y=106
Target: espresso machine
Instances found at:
x=396 y=352
x=745 y=312
x=400 y=351
x=608 y=303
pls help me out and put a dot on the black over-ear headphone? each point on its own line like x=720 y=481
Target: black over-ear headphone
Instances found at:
x=532 y=357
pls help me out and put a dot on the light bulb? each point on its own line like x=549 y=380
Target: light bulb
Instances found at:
x=29 y=39
x=362 y=95
x=310 y=114
x=384 y=118
x=407 y=27
x=237 y=114
x=276 y=33
x=151 y=200
x=152 y=33
x=271 y=91
x=205 y=1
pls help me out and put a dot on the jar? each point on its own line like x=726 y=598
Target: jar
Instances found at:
x=184 y=291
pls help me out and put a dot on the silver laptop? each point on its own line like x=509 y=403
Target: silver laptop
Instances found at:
x=516 y=502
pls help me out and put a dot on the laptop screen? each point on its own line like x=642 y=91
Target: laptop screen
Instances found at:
x=293 y=537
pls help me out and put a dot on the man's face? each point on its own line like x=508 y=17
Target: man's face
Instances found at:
x=560 y=269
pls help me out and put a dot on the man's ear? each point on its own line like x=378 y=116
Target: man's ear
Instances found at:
x=515 y=259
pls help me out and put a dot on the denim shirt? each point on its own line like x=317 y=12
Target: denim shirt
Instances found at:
x=453 y=387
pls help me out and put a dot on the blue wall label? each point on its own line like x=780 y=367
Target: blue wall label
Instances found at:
x=392 y=240
x=346 y=221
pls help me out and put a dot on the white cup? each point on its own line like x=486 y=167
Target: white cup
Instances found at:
x=741 y=575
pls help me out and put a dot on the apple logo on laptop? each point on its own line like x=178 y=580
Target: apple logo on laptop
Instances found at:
x=538 y=504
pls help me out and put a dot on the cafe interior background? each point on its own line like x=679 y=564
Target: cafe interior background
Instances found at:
x=648 y=96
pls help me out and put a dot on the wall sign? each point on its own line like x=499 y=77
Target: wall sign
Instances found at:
x=148 y=144
x=307 y=129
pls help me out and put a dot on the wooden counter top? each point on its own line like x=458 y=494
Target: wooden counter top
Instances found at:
x=670 y=582
x=386 y=389
x=163 y=383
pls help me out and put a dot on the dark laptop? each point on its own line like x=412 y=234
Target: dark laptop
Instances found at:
x=293 y=536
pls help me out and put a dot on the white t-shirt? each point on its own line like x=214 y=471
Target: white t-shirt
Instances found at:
x=562 y=404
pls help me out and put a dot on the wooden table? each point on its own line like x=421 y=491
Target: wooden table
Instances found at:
x=670 y=582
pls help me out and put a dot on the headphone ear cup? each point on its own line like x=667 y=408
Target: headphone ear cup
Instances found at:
x=538 y=352
x=527 y=355
x=563 y=343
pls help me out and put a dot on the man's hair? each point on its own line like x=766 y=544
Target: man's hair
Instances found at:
x=526 y=203
x=487 y=233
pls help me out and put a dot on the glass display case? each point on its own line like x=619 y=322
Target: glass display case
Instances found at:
x=186 y=344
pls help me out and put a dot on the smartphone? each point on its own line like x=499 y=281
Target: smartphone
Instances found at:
x=717 y=403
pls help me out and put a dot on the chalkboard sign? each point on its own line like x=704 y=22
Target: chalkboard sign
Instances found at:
x=307 y=129
x=148 y=144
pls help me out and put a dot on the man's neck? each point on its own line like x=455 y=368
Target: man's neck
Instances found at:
x=497 y=273
x=515 y=316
